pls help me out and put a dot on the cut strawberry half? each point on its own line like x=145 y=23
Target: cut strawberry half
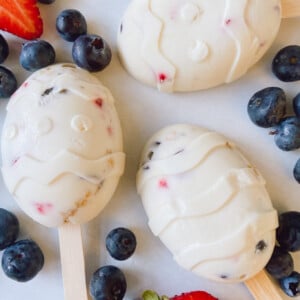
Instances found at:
x=21 y=18
x=194 y=295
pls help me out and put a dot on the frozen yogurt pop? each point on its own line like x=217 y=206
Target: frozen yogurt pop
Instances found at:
x=182 y=45
x=62 y=154
x=207 y=203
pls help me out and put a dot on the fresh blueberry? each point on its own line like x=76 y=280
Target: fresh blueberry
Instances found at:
x=296 y=105
x=46 y=1
x=22 y=260
x=286 y=63
x=121 y=243
x=8 y=82
x=37 y=54
x=291 y=284
x=91 y=52
x=281 y=263
x=287 y=133
x=4 y=49
x=267 y=107
x=9 y=228
x=288 y=231
x=108 y=283
x=70 y=24
x=296 y=171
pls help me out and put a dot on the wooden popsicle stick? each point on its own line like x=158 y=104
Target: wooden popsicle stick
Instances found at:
x=290 y=8
x=262 y=288
x=72 y=262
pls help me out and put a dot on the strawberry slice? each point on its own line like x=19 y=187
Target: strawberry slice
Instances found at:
x=21 y=18
x=194 y=295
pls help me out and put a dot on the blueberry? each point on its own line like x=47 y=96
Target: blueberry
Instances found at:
x=286 y=63
x=267 y=107
x=296 y=171
x=291 y=284
x=120 y=243
x=108 y=283
x=37 y=54
x=22 y=260
x=287 y=133
x=296 y=105
x=281 y=263
x=70 y=24
x=46 y=1
x=9 y=228
x=8 y=82
x=91 y=52
x=288 y=231
x=4 y=49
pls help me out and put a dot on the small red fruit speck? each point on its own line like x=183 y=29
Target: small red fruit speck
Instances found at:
x=228 y=22
x=99 y=102
x=14 y=161
x=162 y=77
x=163 y=184
x=43 y=208
x=25 y=84
x=110 y=130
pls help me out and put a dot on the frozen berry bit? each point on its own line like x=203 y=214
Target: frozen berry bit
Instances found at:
x=109 y=283
x=36 y=55
x=22 y=260
x=281 y=263
x=288 y=231
x=286 y=63
x=9 y=228
x=287 y=134
x=70 y=24
x=121 y=243
x=296 y=105
x=267 y=107
x=46 y=1
x=296 y=171
x=8 y=82
x=291 y=284
x=4 y=49
x=91 y=52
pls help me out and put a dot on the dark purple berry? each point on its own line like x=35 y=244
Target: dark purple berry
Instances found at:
x=4 y=49
x=8 y=82
x=120 y=243
x=9 y=228
x=70 y=24
x=296 y=171
x=267 y=107
x=291 y=284
x=286 y=63
x=22 y=260
x=46 y=1
x=108 y=283
x=91 y=52
x=288 y=231
x=296 y=105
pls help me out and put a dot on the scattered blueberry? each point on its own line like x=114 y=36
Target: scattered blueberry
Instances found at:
x=291 y=284
x=70 y=24
x=8 y=82
x=4 y=49
x=46 y=1
x=120 y=243
x=288 y=231
x=281 y=263
x=9 y=228
x=108 y=283
x=287 y=134
x=22 y=260
x=267 y=107
x=286 y=63
x=296 y=105
x=91 y=52
x=37 y=54
x=296 y=171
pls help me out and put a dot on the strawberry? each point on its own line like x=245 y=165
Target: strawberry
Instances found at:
x=21 y=18
x=194 y=295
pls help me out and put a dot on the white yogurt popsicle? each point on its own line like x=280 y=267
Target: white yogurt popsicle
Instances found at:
x=62 y=146
x=206 y=203
x=184 y=45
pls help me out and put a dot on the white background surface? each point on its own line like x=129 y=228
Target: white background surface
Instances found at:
x=143 y=111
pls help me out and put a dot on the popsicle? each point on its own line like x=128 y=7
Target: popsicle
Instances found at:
x=183 y=46
x=62 y=157
x=207 y=204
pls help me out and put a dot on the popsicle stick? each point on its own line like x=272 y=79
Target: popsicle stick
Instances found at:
x=72 y=262
x=290 y=8
x=262 y=288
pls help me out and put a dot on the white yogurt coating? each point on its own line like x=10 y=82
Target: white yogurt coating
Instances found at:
x=189 y=45
x=206 y=203
x=62 y=146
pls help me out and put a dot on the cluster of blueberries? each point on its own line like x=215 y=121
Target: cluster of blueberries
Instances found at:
x=267 y=108
x=89 y=51
x=281 y=264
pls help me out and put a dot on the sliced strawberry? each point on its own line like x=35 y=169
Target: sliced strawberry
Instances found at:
x=195 y=295
x=21 y=18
